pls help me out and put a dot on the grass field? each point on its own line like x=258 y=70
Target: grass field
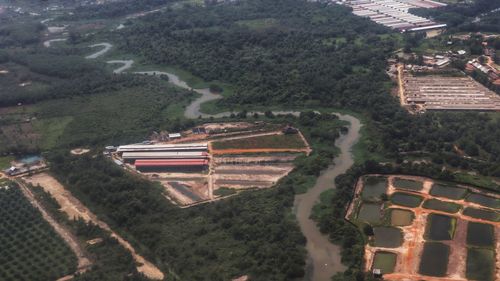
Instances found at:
x=271 y=141
x=30 y=250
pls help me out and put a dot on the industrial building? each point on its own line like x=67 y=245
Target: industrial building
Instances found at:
x=166 y=157
x=395 y=13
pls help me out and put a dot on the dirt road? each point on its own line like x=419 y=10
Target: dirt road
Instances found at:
x=75 y=209
x=107 y=47
x=84 y=262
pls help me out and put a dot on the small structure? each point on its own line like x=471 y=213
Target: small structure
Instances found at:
x=377 y=273
x=174 y=136
x=289 y=130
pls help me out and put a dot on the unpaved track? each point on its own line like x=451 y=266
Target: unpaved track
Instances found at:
x=48 y=43
x=107 y=47
x=324 y=257
x=69 y=202
x=126 y=65
x=84 y=262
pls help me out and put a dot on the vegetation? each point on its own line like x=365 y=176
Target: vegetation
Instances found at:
x=270 y=141
x=31 y=250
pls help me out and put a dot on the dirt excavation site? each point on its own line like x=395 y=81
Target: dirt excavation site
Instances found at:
x=421 y=229
x=215 y=160
x=75 y=210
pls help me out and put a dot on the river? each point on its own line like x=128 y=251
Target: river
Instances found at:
x=324 y=258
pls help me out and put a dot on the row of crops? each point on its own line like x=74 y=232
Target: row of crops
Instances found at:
x=30 y=248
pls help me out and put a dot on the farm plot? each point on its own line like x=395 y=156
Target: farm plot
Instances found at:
x=482 y=214
x=30 y=248
x=388 y=237
x=370 y=212
x=440 y=227
x=385 y=261
x=483 y=200
x=278 y=141
x=401 y=217
x=480 y=234
x=480 y=264
x=407 y=184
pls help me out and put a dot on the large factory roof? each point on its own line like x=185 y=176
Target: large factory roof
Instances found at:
x=164 y=155
x=162 y=147
x=171 y=162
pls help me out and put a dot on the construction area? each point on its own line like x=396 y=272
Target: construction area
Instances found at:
x=214 y=160
x=431 y=92
x=420 y=229
x=395 y=13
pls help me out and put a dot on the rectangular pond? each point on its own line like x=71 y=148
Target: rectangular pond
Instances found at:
x=385 y=261
x=407 y=200
x=434 y=260
x=480 y=234
x=388 y=237
x=480 y=264
x=370 y=212
x=482 y=214
x=440 y=227
x=373 y=187
x=435 y=204
x=401 y=217
x=448 y=191
x=483 y=200
x=408 y=184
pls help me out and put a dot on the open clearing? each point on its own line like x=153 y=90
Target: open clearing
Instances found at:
x=443 y=238
x=76 y=210
x=194 y=164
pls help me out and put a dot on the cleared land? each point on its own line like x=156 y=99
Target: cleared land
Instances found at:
x=75 y=209
x=448 y=93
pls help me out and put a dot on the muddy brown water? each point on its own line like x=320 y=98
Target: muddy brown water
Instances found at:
x=324 y=258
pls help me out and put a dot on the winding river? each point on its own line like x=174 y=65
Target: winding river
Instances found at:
x=324 y=258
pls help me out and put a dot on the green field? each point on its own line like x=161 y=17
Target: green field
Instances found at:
x=384 y=261
x=408 y=184
x=435 y=204
x=270 y=141
x=407 y=200
x=30 y=250
x=480 y=264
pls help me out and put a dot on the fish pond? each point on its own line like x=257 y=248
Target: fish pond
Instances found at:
x=407 y=200
x=388 y=237
x=440 y=227
x=483 y=200
x=385 y=261
x=374 y=187
x=482 y=214
x=408 y=184
x=480 y=234
x=370 y=212
x=401 y=217
x=480 y=264
x=448 y=191
x=434 y=260
x=435 y=204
